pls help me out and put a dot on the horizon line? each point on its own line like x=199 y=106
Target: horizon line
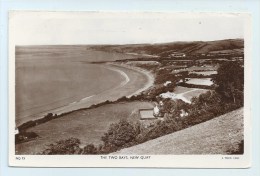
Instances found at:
x=156 y=43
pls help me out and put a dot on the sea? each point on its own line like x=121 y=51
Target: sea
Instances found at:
x=51 y=77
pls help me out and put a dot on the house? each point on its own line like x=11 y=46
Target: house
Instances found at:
x=183 y=113
x=210 y=54
x=152 y=113
x=16 y=131
x=156 y=111
x=167 y=83
x=177 y=54
x=147 y=114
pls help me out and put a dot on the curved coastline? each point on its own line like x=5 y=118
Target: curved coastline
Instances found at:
x=149 y=75
x=123 y=74
x=108 y=94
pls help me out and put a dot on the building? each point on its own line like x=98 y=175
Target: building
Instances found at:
x=16 y=130
x=152 y=113
x=176 y=54
x=183 y=113
x=156 y=111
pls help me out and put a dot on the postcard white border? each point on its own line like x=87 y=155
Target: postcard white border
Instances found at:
x=155 y=161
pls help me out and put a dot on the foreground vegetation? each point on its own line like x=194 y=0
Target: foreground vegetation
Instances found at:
x=221 y=135
x=125 y=134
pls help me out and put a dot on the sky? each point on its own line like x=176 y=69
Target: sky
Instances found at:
x=69 y=28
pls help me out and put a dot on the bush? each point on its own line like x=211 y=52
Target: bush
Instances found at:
x=64 y=147
x=25 y=136
x=237 y=151
x=195 y=86
x=120 y=135
x=162 y=128
x=26 y=125
x=90 y=149
x=230 y=82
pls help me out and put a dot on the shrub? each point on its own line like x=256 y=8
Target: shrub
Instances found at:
x=195 y=86
x=64 y=147
x=25 y=136
x=119 y=135
x=90 y=149
x=162 y=128
x=230 y=81
x=26 y=125
x=237 y=151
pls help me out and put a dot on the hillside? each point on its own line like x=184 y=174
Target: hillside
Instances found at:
x=162 y=49
x=217 y=136
x=101 y=53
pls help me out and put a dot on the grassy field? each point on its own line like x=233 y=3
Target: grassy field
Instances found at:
x=87 y=125
x=200 y=81
x=216 y=136
x=196 y=68
x=164 y=49
x=194 y=93
x=180 y=89
x=142 y=62
x=205 y=72
x=183 y=93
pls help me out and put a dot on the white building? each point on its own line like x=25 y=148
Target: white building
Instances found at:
x=183 y=113
x=167 y=83
x=16 y=131
x=156 y=111
x=176 y=54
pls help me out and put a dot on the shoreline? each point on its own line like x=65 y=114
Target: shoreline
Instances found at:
x=148 y=74
x=89 y=101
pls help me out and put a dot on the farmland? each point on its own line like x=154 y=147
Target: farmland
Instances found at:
x=87 y=125
x=200 y=81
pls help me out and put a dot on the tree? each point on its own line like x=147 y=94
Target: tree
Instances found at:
x=169 y=106
x=173 y=108
x=184 y=75
x=90 y=149
x=119 y=135
x=64 y=147
x=230 y=81
x=163 y=75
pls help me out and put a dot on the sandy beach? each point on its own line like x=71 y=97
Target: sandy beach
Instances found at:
x=149 y=75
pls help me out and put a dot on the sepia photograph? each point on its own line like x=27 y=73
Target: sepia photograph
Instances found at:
x=130 y=84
